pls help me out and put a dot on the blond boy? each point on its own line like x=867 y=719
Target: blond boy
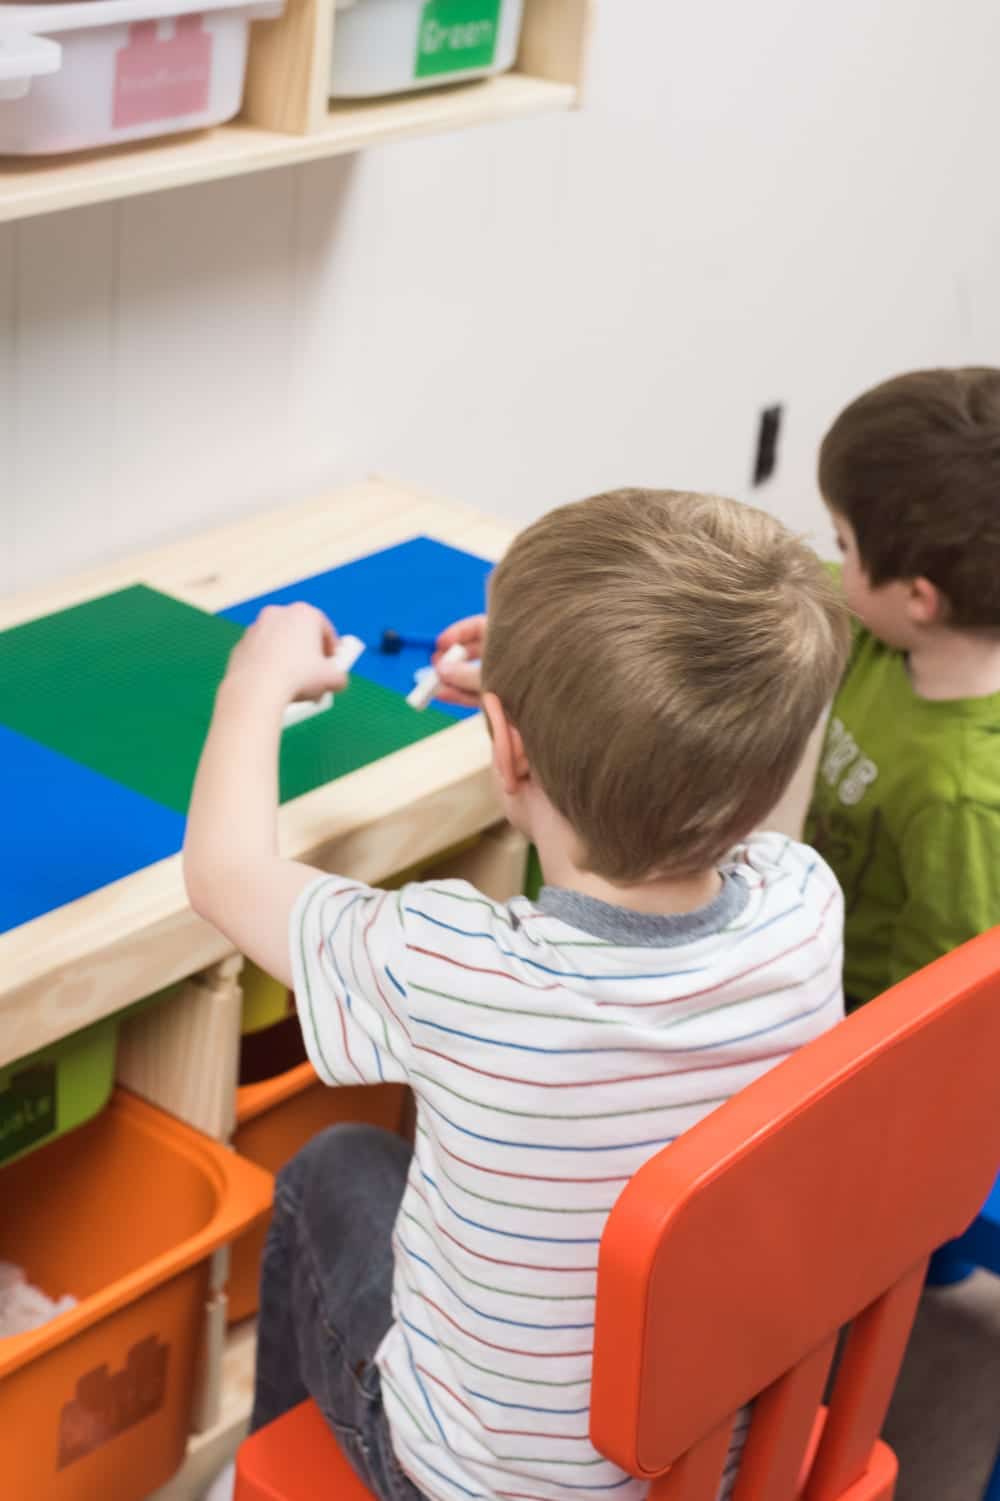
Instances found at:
x=655 y=664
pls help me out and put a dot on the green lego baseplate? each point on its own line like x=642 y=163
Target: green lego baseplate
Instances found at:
x=125 y=685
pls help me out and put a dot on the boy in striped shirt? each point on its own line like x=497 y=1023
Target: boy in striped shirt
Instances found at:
x=654 y=666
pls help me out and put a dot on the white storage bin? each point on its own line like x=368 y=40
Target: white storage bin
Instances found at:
x=392 y=46
x=129 y=69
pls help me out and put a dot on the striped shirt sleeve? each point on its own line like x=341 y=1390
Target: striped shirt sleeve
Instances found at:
x=347 y=950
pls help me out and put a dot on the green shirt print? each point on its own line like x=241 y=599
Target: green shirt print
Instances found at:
x=906 y=809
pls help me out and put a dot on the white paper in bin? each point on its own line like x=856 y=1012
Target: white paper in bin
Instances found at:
x=22 y=58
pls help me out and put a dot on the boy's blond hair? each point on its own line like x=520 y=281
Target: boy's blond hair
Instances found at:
x=665 y=656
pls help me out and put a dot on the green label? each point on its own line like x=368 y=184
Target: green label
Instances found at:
x=27 y=1109
x=456 y=35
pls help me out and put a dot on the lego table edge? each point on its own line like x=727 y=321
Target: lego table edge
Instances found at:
x=273 y=547
x=79 y=963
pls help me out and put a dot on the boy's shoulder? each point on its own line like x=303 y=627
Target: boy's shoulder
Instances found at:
x=940 y=750
x=760 y=871
x=456 y=906
x=781 y=872
x=766 y=876
x=767 y=853
x=768 y=947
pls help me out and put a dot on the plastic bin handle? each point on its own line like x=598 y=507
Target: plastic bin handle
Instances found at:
x=23 y=57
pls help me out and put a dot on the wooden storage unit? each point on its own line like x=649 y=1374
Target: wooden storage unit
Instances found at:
x=87 y=961
x=210 y=1449
x=125 y=942
x=162 y=1048
x=287 y=118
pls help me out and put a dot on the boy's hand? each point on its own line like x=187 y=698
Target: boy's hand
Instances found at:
x=290 y=649
x=461 y=682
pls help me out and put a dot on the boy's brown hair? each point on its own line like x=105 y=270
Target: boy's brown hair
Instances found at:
x=914 y=466
x=665 y=657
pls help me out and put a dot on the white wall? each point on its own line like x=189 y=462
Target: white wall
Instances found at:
x=771 y=201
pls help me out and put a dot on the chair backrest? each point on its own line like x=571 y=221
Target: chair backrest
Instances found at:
x=809 y=1201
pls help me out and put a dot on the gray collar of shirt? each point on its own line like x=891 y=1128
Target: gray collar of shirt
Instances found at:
x=630 y=929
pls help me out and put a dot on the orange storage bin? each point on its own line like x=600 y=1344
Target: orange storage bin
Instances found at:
x=124 y=1213
x=273 y=1120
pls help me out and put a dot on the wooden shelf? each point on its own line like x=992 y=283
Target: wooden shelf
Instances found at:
x=208 y=1452
x=40 y=185
x=287 y=120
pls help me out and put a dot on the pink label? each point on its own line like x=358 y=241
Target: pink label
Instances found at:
x=162 y=80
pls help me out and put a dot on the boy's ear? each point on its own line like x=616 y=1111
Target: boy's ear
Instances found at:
x=926 y=603
x=508 y=748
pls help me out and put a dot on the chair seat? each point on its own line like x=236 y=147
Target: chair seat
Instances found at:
x=296 y=1458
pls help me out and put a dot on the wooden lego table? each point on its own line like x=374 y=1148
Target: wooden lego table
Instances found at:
x=70 y=966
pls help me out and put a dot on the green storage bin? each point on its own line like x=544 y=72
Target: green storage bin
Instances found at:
x=56 y=1089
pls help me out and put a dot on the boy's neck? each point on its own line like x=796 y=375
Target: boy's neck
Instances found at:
x=948 y=664
x=667 y=897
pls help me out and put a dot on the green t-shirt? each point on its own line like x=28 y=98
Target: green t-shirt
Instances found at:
x=906 y=809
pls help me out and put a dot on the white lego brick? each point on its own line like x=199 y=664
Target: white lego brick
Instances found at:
x=349 y=649
x=427 y=680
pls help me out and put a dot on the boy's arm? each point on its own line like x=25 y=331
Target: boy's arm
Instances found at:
x=235 y=877
x=952 y=875
x=342 y=949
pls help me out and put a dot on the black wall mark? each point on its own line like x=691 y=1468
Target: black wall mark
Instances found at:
x=766 y=460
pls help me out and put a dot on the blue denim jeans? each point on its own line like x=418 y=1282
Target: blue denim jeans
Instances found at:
x=325 y=1302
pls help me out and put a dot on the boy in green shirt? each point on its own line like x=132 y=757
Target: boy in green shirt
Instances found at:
x=906 y=806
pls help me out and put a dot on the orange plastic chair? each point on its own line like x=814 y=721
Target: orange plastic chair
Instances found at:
x=809 y=1202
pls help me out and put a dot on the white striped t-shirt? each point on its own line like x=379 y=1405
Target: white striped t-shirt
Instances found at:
x=553 y=1047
